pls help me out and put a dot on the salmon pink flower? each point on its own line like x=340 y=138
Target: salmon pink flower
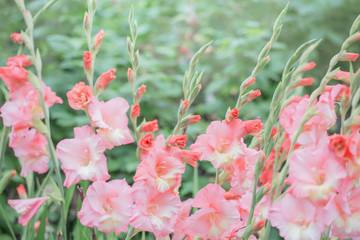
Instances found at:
x=150 y=126
x=146 y=142
x=178 y=140
x=183 y=214
x=27 y=207
x=16 y=38
x=231 y=114
x=216 y=216
x=154 y=211
x=82 y=157
x=107 y=206
x=14 y=75
x=295 y=218
x=87 y=60
x=111 y=118
x=160 y=170
x=315 y=173
x=105 y=78
x=30 y=147
x=80 y=96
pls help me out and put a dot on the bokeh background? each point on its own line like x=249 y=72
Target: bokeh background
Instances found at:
x=170 y=32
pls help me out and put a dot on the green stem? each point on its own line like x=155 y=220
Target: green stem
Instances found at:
x=196 y=181
x=4 y=135
x=130 y=233
x=7 y=221
x=217 y=176
x=143 y=235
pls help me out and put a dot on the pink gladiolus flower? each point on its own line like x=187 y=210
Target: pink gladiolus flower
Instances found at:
x=87 y=60
x=160 y=170
x=80 y=96
x=82 y=157
x=111 y=118
x=19 y=60
x=217 y=216
x=16 y=38
x=146 y=142
x=107 y=206
x=27 y=207
x=181 y=219
x=352 y=153
x=295 y=218
x=30 y=147
x=178 y=141
x=105 y=78
x=190 y=157
x=150 y=126
x=14 y=75
x=154 y=211
x=315 y=173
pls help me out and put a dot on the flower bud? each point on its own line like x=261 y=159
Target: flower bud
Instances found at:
x=178 y=141
x=309 y=66
x=231 y=196
x=98 y=39
x=184 y=106
x=258 y=226
x=86 y=21
x=253 y=95
x=87 y=60
x=249 y=82
x=150 y=126
x=231 y=114
x=146 y=142
x=190 y=157
x=105 y=78
x=135 y=110
x=130 y=75
x=343 y=76
x=189 y=120
x=305 y=82
x=21 y=191
x=352 y=57
x=140 y=92
x=16 y=37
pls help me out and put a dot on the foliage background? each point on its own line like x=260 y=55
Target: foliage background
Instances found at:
x=170 y=32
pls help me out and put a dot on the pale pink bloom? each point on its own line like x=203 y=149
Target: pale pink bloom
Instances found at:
x=160 y=170
x=14 y=76
x=107 y=206
x=216 y=216
x=352 y=154
x=16 y=37
x=82 y=157
x=154 y=211
x=347 y=212
x=296 y=218
x=105 y=78
x=111 y=118
x=315 y=173
x=27 y=207
x=19 y=60
x=183 y=214
x=80 y=96
x=30 y=147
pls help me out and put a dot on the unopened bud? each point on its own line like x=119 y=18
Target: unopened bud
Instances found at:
x=352 y=57
x=309 y=66
x=16 y=37
x=273 y=132
x=150 y=126
x=13 y=173
x=130 y=75
x=305 y=82
x=184 y=106
x=258 y=226
x=86 y=21
x=231 y=114
x=135 y=110
x=343 y=76
x=231 y=196
x=140 y=92
x=21 y=191
x=105 y=78
x=253 y=95
x=87 y=59
x=178 y=141
x=249 y=82
x=98 y=40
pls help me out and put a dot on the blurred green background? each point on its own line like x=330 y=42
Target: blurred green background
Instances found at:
x=170 y=32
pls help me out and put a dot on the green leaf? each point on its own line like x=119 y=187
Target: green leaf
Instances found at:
x=274 y=234
x=41 y=231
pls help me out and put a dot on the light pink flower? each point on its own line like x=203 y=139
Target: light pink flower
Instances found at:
x=27 y=207
x=315 y=173
x=160 y=170
x=183 y=214
x=107 y=206
x=80 y=96
x=295 y=218
x=111 y=118
x=216 y=217
x=30 y=147
x=82 y=157
x=154 y=211
x=14 y=75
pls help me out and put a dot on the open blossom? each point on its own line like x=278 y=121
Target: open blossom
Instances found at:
x=183 y=214
x=107 y=206
x=315 y=173
x=111 y=118
x=160 y=170
x=295 y=218
x=216 y=216
x=30 y=147
x=154 y=211
x=80 y=96
x=14 y=75
x=82 y=157
x=27 y=207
